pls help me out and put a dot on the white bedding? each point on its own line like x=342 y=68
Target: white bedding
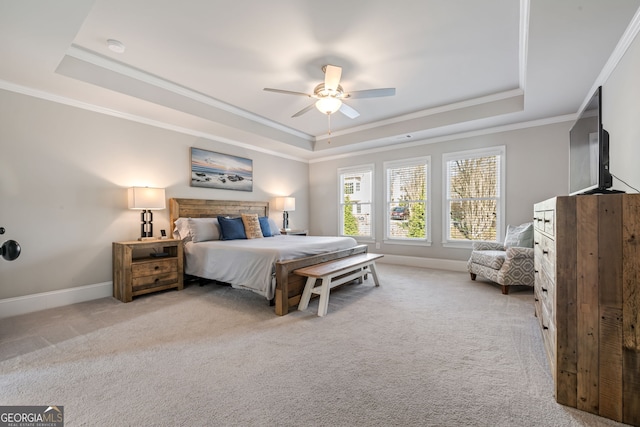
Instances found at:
x=250 y=263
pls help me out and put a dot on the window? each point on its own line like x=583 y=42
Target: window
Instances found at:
x=348 y=188
x=474 y=186
x=355 y=192
x=408 y=215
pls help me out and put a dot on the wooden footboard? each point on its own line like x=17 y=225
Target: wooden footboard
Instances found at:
x=289 y=286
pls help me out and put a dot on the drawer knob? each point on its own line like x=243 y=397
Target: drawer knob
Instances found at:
x=544 y=251
x=157 y=280
x=547 y=220
x=156 y=267
x=544 y=289
x=536 y=243
x=545 y=327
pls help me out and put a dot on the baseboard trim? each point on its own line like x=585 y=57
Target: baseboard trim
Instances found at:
x=42 y=301
x=434 y=263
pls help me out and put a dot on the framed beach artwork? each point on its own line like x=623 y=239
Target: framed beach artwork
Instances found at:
x=223 y=171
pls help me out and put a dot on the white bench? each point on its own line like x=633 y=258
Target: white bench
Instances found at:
x=357 y=266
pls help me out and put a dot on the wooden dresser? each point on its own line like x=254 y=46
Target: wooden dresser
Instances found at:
x=587 y=300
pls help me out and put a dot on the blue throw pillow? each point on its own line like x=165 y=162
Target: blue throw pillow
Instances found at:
x=231 y=228
x=264 y=226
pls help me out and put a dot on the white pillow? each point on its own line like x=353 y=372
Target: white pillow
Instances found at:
x=181 y=230
x=275 y=230
x=204 y=229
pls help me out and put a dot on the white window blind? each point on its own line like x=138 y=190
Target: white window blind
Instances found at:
x=355 y=201
x=473 y=191
x=407 y=202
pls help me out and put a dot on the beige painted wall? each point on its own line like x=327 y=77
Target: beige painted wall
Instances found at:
x=621 y=117
x=536 y=169
x=63 y=179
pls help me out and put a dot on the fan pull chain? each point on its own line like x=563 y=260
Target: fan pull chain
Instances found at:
x=329 y=117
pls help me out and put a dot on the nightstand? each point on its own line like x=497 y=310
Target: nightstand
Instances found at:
x=293 y=232
x=136 y=272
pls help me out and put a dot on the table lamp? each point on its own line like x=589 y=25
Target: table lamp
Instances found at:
x=286 y=205
x=146 y=198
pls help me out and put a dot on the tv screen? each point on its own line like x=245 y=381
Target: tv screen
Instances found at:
x=589 y=150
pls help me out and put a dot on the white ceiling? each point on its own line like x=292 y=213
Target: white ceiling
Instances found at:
x=201 y=66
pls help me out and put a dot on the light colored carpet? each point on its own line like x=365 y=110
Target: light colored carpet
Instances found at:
x=427 y=348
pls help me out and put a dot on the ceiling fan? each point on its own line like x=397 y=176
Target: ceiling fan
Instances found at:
x=330 y=95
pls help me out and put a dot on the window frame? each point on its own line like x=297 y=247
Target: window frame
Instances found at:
x=366 y=168
x=394 y=164
x=499 y=151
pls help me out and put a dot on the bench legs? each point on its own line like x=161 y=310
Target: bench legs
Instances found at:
x=323 y=305
x=306 y=294
x=327 y=284
x=374 y=273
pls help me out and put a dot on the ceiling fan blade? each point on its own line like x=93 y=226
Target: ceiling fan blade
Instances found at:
x=348 y=111
x=332 y=76
x=371 y=93
x=287 y=92
x=304 y=110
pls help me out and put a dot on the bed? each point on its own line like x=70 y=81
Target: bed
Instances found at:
x=271 y=277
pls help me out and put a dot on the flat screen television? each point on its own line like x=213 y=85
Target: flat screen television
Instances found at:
x=589 y=151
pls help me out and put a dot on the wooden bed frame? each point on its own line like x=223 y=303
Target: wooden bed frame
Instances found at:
x=289 y=286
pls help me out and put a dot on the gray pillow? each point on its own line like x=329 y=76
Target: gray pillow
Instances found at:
x=275 y=231
x=520 y=236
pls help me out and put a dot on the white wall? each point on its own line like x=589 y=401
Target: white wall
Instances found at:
x=63 y=179
x=621 y=117
x=536 y=168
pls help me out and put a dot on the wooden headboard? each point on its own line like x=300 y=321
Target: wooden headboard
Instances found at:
x=202 y=208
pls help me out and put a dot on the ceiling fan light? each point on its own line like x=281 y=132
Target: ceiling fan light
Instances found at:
x=328 y=105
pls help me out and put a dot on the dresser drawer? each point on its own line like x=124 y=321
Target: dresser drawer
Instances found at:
x=150 y=267
x=538 y=220
x=545 y=254
x=549 y=222
x=545 y=290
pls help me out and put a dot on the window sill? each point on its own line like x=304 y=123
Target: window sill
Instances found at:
x=407 y=242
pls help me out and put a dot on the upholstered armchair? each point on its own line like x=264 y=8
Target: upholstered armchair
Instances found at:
x=507 y=264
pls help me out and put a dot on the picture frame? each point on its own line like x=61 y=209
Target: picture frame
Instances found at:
x=210 y=169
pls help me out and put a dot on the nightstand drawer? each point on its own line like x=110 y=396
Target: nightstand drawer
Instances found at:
x=147 y=268
x=145 y=282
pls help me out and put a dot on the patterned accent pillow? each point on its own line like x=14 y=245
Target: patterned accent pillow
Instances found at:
x=520 y=236
x=252 y=226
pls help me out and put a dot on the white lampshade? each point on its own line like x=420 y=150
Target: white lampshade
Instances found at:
x=286 y=204
x=146 y=198
x=328 y=105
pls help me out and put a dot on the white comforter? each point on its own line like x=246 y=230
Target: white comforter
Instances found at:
x=250 y=263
